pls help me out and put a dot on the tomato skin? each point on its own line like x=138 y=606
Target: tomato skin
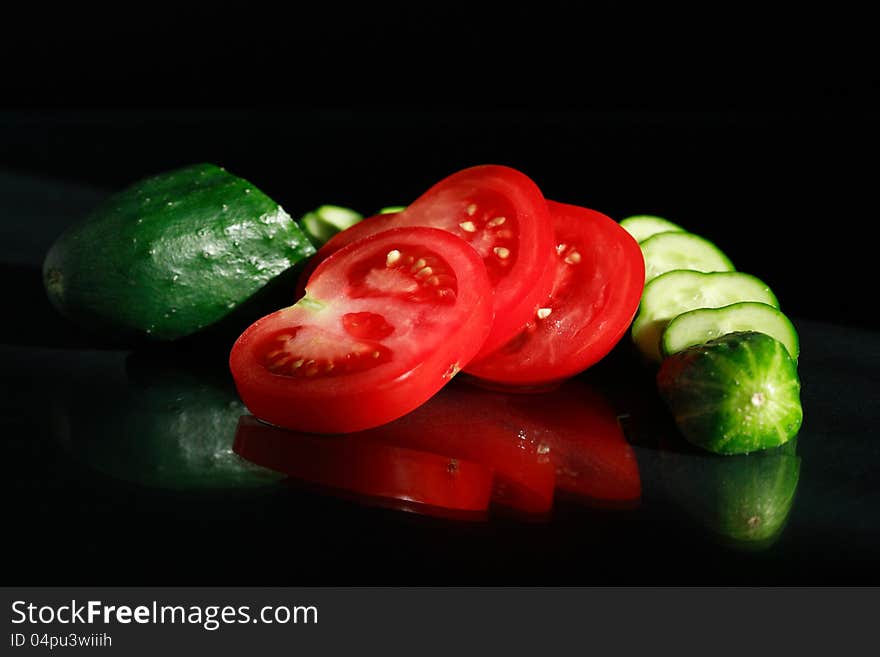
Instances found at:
x=528 y=270
x=369 y=468
x=433 y=341
x=599 y=278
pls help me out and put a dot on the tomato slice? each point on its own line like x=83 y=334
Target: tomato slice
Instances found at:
x=386 y=322
x=599 y=277
x=373 y=472
x=500 y=212
x=577 y=427
x=377 y=223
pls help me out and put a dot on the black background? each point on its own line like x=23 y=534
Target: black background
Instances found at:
x=758 y=131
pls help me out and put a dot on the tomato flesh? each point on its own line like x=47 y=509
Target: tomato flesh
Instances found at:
x=598 y=280
x=385 y=323
x=502 y=214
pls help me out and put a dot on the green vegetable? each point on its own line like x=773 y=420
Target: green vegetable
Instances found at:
x=744 y=501
x=665 y=252
x=703 y=324
x=324 y=222
x=735 y=394
x=679 y=291
x=171 y=255
x=643 y=226
x=391 y=209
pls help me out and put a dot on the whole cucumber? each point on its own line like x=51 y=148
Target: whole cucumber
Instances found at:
x=171 y=255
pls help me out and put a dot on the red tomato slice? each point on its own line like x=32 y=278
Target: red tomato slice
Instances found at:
x=377 y=223
x=503 y=215
x=386 y=322
x=599 y=277
x=371 y=471
x=578 y=427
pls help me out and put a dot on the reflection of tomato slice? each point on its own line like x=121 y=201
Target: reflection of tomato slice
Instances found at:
x=503 y=215
x=475 y=425
x=375 y=470
x=459 y=423
x=387 y=321
x=598 y=283
x=578 y=428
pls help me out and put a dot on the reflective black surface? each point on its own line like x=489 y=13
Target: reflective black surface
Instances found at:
x=122 y=470
x=121 y=467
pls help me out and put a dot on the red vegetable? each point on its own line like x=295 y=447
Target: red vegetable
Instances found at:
x=503 y=215
x=387 y=321
x=599 y=277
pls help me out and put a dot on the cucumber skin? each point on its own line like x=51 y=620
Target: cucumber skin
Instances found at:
x=171 y=255
x=709 y=390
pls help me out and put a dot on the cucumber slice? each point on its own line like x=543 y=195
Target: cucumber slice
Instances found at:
x=643 y=226
x=325 y=221
x=676 y=292
x=704 y=324
x=737 y=394
x=664 y=252
x=391 y=209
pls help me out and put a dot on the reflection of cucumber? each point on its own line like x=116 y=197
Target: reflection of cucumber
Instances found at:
x=676 y=292
x=324 y=222
x=743 y=500
x=643 y=226
x=703 y=324
x=733 y=395
x=664 y=252
x=173 y=427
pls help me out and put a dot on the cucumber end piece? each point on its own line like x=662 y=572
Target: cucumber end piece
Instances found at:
x=733 y=395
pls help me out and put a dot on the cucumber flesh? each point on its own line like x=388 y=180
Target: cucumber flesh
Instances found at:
x=325 y=221
x=676 y=292
x=703 y=324
x=643 y=226
x=664 y=252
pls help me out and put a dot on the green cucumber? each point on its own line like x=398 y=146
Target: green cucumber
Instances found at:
x=643 y=226
x=704 y=324
x=664 y=252
x=679 y=291
x=171 y=255
x=324 y=222
x=391 y=209
x=736 y=394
